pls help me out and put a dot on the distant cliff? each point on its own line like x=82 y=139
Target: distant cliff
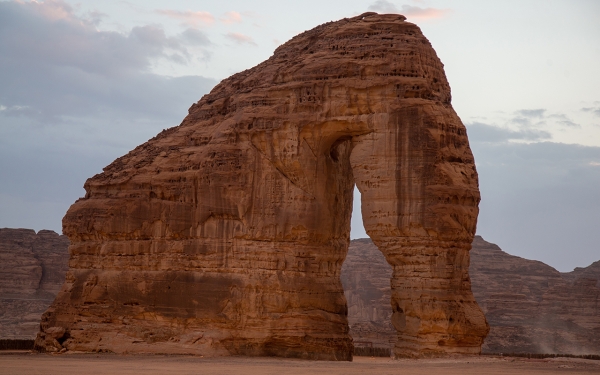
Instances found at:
x=530 y=306
x=533 y=308
x=32 y=271
x=366 y=280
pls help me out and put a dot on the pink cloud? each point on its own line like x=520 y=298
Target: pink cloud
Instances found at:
x=423 y=13
x=410 y=11
x=188 y=17
x=51 y=9
x=231 y=17
x=240 y=38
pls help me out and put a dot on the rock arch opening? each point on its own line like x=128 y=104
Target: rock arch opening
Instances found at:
x=244 y=210
x=365 y=277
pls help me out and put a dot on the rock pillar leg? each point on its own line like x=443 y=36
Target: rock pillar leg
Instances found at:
x=433 y=308
x=419 y=204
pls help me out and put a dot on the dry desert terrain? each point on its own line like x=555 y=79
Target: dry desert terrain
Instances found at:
x=90 y=364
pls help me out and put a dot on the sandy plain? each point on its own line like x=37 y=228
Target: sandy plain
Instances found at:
x=101 y=364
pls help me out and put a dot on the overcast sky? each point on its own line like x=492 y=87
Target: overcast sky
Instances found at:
x=83 y=82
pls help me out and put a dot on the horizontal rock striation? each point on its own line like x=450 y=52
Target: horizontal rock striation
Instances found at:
x=366 y=280
x=533 y=308
x=530 y=306
x=32 y=271
x=226 y=235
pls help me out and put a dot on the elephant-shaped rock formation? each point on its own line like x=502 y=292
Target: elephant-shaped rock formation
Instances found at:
x=226 y=234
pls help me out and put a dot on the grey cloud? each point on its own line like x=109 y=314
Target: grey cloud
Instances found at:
x=522 y=121
x=564 y=120
x=73 y=98
x=569 y=123
x=51 y=68
x=95 y=17
x=196 y=37
x=384 y=6
x=529 y=123
x=524 y=117
x=479 y=132
x=532 y=112
x=30 y=31
x=540 y=200
x=594 y=110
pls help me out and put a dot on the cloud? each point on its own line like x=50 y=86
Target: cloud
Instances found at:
x=528 y=125
x=73 y=98
x=384 y=6
x=231 y=17
x=564 y=120
x=531 y=112
x=56 y=64
x=240 y=38
x=521 y=121
x=423 y=13
x=593 y=110
x=480 y=132
x=410 y=11
x=188 y=17
x=195 y=37
x=540 y=200
x=96 y=17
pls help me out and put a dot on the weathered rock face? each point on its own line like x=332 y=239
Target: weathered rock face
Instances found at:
x=226 y=234
x=531 y=307
x=32 y=270
x=366 y=280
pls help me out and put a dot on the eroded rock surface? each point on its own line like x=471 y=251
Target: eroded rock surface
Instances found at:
x=530 y=306
x=32 y=270
x=533 y=308
x=226 y=234
x=366 y=280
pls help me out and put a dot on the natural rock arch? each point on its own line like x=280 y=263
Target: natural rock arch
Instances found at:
x=226 y=234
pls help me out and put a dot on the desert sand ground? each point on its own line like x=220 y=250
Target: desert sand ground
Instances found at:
x=88 y=364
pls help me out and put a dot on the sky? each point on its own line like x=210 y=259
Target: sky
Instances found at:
x=84 y=82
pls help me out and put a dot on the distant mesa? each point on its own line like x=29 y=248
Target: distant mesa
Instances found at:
x=32 y=271
x=226 y=234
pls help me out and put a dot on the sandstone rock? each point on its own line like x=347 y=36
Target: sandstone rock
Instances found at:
x=531 y=307
x=32 y=270
x=366 y=280
x=226 y=234
x=590 y=272
x=20 y=270
x=52 y=251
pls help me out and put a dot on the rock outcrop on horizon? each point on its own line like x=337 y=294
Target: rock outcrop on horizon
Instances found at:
x=32 y=271
x=226 y=234
x=530 y=306
x=533 y=308
x=366 y=280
